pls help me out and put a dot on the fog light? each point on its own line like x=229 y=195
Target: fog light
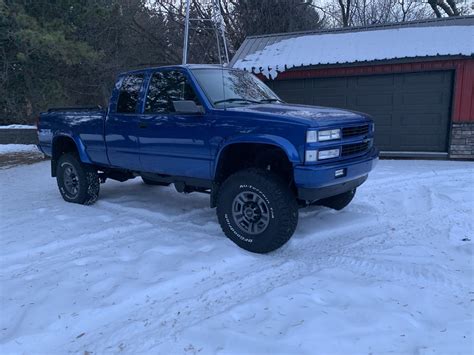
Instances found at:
x=328 y=154
x=340 y=173
x=311 y=155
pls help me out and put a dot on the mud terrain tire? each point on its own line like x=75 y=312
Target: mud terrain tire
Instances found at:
x=77 y=182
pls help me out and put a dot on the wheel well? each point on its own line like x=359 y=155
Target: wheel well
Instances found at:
x=240 y=156
x=61 y=145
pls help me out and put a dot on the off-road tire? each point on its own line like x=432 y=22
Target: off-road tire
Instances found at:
x=88 y=184
x=338 y=202
x=282 y=207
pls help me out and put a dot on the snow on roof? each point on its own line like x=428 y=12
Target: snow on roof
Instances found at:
x=18 y=126
x=281 y=52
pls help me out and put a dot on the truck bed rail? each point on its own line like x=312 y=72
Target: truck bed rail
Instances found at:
x=92 y=108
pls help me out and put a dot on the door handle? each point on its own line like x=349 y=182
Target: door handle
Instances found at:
x=142 y=124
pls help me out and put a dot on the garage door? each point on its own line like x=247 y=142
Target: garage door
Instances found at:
x=411 y=110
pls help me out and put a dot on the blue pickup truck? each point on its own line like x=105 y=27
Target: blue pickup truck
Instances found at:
x=219 y=131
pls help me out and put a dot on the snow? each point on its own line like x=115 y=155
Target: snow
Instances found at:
x=349 y=47
x=18 y=126
x=147 y=270
x=18 y=148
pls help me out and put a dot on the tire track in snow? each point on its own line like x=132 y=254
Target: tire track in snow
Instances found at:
x=336 y=250
x=263 y=275
x=257 y=279
x=409 y=177
x=56 y=247
x=306 y=256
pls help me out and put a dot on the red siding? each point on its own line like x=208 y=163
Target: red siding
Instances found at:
x=463 y=100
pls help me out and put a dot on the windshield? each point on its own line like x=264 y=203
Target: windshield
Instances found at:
x=233 y=87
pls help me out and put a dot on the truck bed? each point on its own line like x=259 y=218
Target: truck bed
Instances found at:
x=85 y=123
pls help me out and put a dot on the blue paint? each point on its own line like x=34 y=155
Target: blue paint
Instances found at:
x=190 y=145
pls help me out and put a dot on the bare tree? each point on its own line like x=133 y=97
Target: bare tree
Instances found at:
x=448 y=7
x=345 y=13
x=345 y=9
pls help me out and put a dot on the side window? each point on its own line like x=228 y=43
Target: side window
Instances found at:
x=166 y=87
x=129 y=93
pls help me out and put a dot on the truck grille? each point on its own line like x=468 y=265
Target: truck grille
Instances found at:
x=356 y=148
x=355 y=131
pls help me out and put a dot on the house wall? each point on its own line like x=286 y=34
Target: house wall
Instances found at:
x=462 y=141
x=461 y=144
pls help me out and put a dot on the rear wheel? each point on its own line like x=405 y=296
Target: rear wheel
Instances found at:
x=257 y=210
x=77 y=182
x=338 y=202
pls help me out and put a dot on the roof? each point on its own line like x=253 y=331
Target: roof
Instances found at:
x=274 y=53
x=188 y=66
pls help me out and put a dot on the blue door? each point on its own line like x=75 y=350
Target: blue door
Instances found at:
x=172 y=143
x=123 y=121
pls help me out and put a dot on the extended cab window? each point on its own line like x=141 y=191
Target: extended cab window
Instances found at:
x=129 y=93
x=166 y=87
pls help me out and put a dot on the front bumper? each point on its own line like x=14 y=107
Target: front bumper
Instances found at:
x=318 y=182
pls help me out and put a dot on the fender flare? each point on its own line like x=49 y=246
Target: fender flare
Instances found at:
x=280 y=142
x=81 y=148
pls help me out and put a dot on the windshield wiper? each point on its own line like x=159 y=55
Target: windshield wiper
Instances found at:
x=234 y=99
x=271 y=100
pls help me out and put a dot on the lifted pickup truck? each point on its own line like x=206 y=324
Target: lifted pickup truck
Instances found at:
x=219 y=131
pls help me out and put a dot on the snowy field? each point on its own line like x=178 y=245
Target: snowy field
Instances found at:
x=147 y=270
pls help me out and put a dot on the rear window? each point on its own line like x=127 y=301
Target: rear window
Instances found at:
x=130 y=93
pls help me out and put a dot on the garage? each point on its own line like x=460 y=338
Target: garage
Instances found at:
x=411 y=110
x=412 y=78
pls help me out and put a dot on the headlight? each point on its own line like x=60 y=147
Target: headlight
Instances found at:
x=329 y=135
x=321 y=136
x=311 y=156
x=328 y=154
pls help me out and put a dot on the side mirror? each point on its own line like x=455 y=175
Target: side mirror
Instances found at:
x=187 y=106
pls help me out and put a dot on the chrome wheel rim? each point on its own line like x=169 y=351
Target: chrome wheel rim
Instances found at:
x=70 y=179
x=250 y=212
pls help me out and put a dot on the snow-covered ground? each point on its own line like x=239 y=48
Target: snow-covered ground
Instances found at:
x=146 y=269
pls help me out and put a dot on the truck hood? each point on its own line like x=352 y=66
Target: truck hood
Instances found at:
x=311 y=115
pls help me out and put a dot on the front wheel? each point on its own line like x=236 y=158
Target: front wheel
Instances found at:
x=77 y=182
x=257 y=210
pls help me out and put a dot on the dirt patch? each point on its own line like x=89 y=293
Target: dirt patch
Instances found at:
x=11 y=160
